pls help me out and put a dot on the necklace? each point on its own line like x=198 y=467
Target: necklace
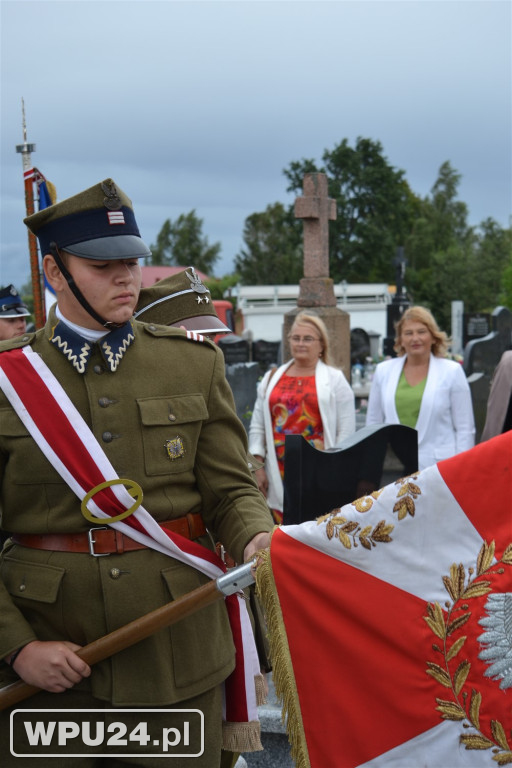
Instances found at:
x=301 y=376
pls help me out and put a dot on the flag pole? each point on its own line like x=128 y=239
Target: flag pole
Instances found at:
x=28 y=177
x=234 y=580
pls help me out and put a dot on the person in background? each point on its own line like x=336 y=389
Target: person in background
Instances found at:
x=155 y=404
x=305 y=396
x=183 y=301
x=422 y=389
x=13 y=313
x=499 y=404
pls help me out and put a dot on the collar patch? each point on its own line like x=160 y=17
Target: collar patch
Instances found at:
x=78 y=350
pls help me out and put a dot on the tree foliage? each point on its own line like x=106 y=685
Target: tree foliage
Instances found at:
x=448 y=260
x=374 y=206
x=182 y=243
x=376 y=213
x=273 y=248
x=220 y=287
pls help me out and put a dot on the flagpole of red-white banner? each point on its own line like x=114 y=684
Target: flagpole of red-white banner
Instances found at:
x=28 y=177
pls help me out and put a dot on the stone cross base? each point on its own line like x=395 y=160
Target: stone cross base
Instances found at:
x=338 y=328
x=316 y=292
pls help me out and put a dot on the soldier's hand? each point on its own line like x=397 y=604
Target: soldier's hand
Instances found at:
x=262 y=481
x=260 y=541
x=52 y=665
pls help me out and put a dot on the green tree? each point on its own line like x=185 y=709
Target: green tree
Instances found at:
x=182 y=243
x=448 y=259
x=506 y=293
x=273 y=248
x=493 y=258
x=219 y=286
x=375 y=209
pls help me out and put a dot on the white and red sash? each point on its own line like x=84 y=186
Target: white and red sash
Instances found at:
x=65 y=439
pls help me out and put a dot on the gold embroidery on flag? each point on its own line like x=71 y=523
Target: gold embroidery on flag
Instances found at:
x=406 y=496
x=349 y=532
x=465 y=706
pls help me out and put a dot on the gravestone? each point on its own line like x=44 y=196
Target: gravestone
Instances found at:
x=476 y=325
x=399 y=304
x=243 y=379
x=315 y=482
x=481 y=356
x=266 y=354
x=316 y=290
x=457 y=327
x=235 y=349
x=359 y=346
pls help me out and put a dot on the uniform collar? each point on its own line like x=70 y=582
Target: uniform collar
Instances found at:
x=78 y=350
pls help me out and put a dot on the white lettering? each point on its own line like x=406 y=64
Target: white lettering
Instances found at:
x=166 y=741
x=68 y=730
x=36 y=733
x=86 y=733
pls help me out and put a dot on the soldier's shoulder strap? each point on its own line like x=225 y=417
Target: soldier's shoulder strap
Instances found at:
x=17 y=342
x=176 y=333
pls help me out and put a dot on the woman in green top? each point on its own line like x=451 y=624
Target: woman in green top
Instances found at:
x=423 y=389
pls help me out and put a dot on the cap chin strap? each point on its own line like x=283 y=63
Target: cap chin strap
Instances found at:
x=110 y=326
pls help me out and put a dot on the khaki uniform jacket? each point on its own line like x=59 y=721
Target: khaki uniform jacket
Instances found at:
x=165 y=386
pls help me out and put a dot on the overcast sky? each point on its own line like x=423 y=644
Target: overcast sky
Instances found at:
x=200 y=105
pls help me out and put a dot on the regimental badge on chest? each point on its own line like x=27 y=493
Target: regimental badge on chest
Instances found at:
x=175 y=448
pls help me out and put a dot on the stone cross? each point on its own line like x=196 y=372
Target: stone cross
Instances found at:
x=317 y=210
x=316 y=292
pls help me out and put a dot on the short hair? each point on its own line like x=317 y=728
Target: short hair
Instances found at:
x=425 y=316
x=307 y=318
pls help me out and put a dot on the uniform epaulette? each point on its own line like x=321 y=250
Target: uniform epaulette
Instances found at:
x=194 y=336
x=17 y=342
x=179 y=333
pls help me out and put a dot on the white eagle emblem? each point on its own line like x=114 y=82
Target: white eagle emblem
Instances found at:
x=497 y=638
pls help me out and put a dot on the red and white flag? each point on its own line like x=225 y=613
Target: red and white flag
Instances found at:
x=391 y=621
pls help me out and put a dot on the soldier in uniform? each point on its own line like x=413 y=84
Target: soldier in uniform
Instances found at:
x=13 y=313
x=183 y=301
x=160 y=408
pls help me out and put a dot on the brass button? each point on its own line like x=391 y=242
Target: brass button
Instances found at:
x=115 y=573
x=107 y=437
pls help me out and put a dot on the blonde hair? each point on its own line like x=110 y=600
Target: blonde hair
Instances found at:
x=422 y=315
x=305 y=318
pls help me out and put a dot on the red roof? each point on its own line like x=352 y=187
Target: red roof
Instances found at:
x=151 y=275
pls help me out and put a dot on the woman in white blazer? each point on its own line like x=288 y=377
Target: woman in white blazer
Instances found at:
x=304 y=396
x=423 y=389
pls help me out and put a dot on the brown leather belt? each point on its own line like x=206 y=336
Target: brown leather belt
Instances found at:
x=106 y=541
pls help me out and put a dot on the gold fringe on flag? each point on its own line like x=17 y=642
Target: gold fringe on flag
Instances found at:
x=282 y=669
x=261 y=694
x=242 y=737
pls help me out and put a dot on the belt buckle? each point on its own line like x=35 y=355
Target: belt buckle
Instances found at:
x=92 y=541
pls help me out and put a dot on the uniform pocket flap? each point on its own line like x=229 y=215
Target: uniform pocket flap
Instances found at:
x=11 y=424
x=181 y=409
x=32 y=581
x=180 y=580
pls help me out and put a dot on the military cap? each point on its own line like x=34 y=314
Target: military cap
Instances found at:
x=181 y=299
x=11 y=304
x=98 y=223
